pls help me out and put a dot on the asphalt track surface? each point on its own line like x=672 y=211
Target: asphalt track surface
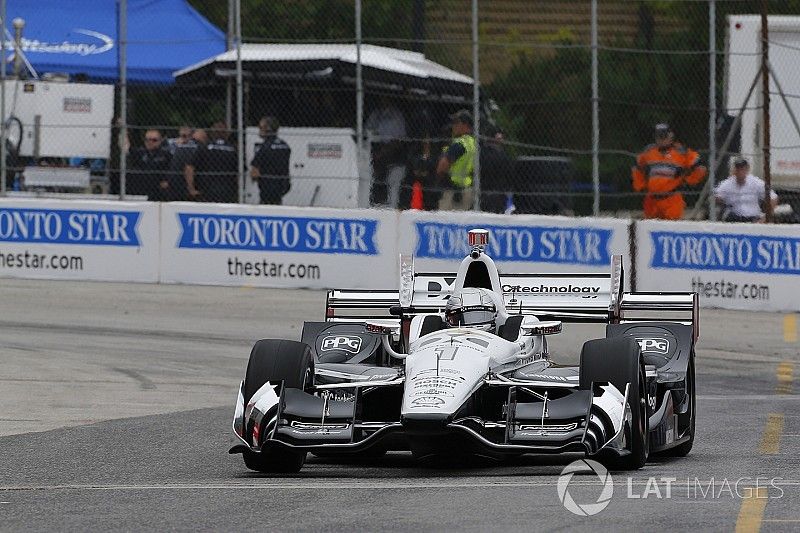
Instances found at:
x=116 y=402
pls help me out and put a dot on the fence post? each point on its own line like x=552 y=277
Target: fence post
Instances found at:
x=712 y=106
x=123 y=96
x=476 y=109
x=239 y=100
x=3 y=169
x=364 y=183
x=595 y=117
x=765 y=102
x=228 y=81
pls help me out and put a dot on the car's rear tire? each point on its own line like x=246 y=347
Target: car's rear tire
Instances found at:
x=619 y=361
x=683 y=449
x=275 y=361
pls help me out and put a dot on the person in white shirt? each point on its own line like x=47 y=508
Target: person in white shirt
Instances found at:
x=742 y=194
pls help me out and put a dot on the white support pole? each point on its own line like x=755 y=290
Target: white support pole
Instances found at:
x=123 y=96
x=363 y=200
x=239 y=100
x=595 y=117
x=476 y=109
x=3 y=155
x=712 y=106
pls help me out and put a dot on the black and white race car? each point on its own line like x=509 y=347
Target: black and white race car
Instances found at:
x=458 y=363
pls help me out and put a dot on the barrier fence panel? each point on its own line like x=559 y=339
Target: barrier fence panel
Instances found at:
x=357 y=99
x=79 y=240
x=278 y=246
x=518 y=244
x=754 y=267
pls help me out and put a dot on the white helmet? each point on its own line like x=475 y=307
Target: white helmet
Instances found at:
x=471 y=308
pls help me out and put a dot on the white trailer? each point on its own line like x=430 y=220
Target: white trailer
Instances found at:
x=59 y=119
x=743 y=63
x=323 y=167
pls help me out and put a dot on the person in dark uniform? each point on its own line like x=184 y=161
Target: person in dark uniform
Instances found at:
x=497 y=171
x=148 y=165
x=212 y=175
x=270 y=166
x=183 y=154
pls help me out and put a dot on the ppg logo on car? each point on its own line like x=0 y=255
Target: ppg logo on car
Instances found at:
x=347 y=343
x=654 y=345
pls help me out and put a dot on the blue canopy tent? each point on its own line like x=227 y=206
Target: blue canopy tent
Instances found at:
x=79 y=38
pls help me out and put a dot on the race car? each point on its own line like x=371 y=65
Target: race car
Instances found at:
x=458 y=363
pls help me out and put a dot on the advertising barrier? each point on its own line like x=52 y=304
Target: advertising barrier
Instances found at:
x=278 y=246
x=731 y=266
x=79 y=240
x=517 y=243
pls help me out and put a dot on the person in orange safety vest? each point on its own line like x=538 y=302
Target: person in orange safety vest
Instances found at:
x=662 y=170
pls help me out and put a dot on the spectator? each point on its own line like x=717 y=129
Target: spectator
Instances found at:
x=388 y=128
x=742 y=194
x=184 y=137
x=661 y=170
x=456 y=165
x=497 y=169
x=200 y=139
x=212 y=175
x=184 y=150
x=270 y=166
x=148 y=168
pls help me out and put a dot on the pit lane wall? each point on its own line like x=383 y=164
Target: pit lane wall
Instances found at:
x=731 y=266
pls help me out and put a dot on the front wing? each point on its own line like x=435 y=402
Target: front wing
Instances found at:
x=536 y=417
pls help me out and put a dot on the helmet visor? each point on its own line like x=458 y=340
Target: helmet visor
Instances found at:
x=470 y=317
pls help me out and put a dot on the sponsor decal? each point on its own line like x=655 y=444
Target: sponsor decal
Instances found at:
x=275 y=233
x=725 y=251
x=346 y=343
x=325 y=150
x=551 y=377
x=427 y=401
x=550 y=289
x=102 y=43
x=565 y=245
x=61 y=226
x=657 y=345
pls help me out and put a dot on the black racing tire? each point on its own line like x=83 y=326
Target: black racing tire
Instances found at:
x=274 y=361
x=619 y=361
x=683 y=449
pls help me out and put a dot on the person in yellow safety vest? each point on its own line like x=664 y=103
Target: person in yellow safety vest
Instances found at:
x=456 y=165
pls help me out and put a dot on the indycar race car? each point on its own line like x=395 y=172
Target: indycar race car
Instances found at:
x=458 y=363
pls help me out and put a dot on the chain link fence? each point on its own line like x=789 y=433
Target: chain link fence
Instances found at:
x=362 y=95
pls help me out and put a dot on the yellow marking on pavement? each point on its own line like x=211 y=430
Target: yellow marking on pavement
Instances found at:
x=751 y=513
x=790 y=328
x=771 y=439
x=784 y=373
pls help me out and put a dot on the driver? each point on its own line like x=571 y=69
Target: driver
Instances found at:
x=472 y=308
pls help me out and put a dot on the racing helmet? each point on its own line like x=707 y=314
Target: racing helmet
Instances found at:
x=471 y=308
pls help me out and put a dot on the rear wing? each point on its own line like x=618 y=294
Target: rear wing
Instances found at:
x=565 y=297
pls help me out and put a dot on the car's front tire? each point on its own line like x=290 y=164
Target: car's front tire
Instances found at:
x=619 y=361
x=275 y=361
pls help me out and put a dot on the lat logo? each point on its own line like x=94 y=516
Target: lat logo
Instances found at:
x=654 y=345
x=347 y=343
